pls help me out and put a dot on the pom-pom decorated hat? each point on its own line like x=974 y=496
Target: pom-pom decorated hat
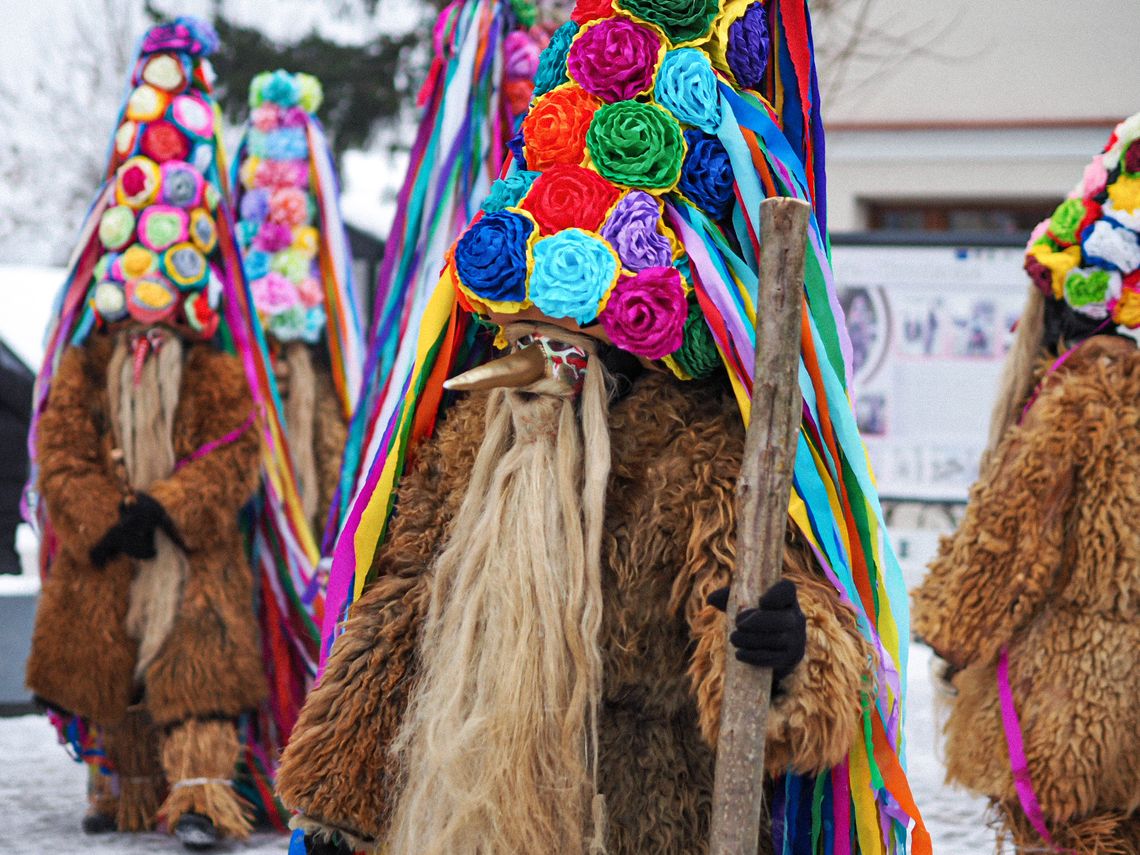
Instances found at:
x=157 y=230
x=276 y=230
x=1088 y=252
x=292 y=239
x=624 y=125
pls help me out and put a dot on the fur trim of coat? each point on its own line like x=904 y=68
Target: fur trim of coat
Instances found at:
x=82 y=659
x=668 y=543
x=1047 y=561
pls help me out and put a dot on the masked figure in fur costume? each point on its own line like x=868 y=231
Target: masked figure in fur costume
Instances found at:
x=1036 y=595
x=538 y=663
x=296 y=259
x=146 y=450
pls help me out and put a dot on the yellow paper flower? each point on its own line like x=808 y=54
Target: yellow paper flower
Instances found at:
x=1127 y=311
x=306 y=239
x=1125 y=193
x=1060 y=263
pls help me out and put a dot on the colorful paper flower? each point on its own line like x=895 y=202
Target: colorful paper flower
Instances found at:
x=636 y=145
x=182 y=185
x=185 y=266
x=247 y=231
x=110 y=301
x=117 y=227
x=286 y=144
x=741 y=42
x=1087 y=291
x=161 y=226
x=273 y=294
x=136 y=182
x=646 y=313
x=279 y=86
x=137 y=261
x=687 y=87
x=552 y=61
x=1070 y=218
x=683 y=21
x=491 y=257
x=556 y=127
x=274 y=174
x=1124 y=193
x=311 y=292
x=298 y=323
x=1106 y=245
x=272 y=237
x=574 y=271
x=194 y=115
x=126 y=139
x=567 y=196
x=1094 y=179
x=520 y=55
x=615 y=59
x=507 y=192
x=146 y=103
x=307 y=240
x=697 y=356
x=633 y=231
x=256 y=264
x=591 y=10
x=1058 y=263
x=265 y=118
x=151 y=299
x=255 y=204
x=164 y=71
x=185 y=34
x=310 y=93
x=288 y=206
x=293 y=264
x=161 y=141
x=706 y=177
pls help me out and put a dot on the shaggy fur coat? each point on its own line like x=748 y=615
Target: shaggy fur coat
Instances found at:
x=668 y=543
x=82 y=658
x=1047 y=561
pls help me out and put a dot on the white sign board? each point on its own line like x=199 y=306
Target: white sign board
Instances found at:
x=930 y=327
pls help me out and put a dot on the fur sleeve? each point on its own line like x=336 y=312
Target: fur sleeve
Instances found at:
x=1005 y=559
x=811 y=725
x=338 y=771
x=81 y=496
x=207 y=494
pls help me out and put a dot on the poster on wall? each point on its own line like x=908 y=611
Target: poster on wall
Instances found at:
x=930 y=327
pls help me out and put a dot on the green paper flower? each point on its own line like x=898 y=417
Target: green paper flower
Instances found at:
x=697 y=356
x=525 y=12
x=293 y=264
x=683 y=21
x=1067 y=220
x=636 y=145
x=1086 y=287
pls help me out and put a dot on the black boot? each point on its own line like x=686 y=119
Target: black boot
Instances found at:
x=99 y=823
x=196 y=832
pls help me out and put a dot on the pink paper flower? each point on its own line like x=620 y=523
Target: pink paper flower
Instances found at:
x=311 y=292
x=1095 y=177
x=273 y=174
x=646 y=313
x=288 y=206
x=273 y=237
x=273 y=294
x=266 y=118
x=520 y=56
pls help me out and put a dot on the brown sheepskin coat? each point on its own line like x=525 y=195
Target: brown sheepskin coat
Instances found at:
x=1047 y=561
x=668 y=543
x=82 y=659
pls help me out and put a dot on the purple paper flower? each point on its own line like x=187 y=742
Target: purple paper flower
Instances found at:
x=255 y=205
x=520 y=55
x=185 y=34
x=615 y=59
x=748 y=44
x=632 y=230
x=273 y=237
x=646 y=313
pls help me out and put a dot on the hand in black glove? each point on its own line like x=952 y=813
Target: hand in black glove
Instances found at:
x=314 y=846
x=133 y=534
x=771 y=636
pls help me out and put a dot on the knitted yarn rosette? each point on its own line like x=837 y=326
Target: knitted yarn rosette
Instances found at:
x=279 y=241
x=1088 y=252
x=624 y=122
x=158 y=238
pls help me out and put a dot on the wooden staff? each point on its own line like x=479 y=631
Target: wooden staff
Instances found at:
x=762 y=494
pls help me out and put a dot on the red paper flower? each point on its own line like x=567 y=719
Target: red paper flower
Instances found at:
x=555 y=128
x=162 y=141
x=569 y=197
x=590 y=10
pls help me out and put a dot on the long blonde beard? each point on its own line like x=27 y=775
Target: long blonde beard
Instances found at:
x=499 y=744
x=142 y=418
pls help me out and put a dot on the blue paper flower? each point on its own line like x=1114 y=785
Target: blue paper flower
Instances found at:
x=491 y=257
x=247 y=231
x=515 y=144
x=281 y=88
x=508 y=192
x=298 y=324
x=687 y=87
x=287 y=144
x=706 y=176
x=256 y=264
x=552 y=61
x=573 y=272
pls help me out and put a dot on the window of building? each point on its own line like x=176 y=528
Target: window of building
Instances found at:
x=1012 y=218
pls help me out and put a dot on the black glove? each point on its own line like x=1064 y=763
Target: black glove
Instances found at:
x=133 y=534
x=314 y=846
x=771 y=636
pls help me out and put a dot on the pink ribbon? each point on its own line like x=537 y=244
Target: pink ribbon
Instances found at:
x=214 y=444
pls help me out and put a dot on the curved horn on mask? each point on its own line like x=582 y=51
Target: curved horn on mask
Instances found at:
x=512 y=371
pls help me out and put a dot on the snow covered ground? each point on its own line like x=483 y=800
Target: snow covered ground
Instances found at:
x=42 y=792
